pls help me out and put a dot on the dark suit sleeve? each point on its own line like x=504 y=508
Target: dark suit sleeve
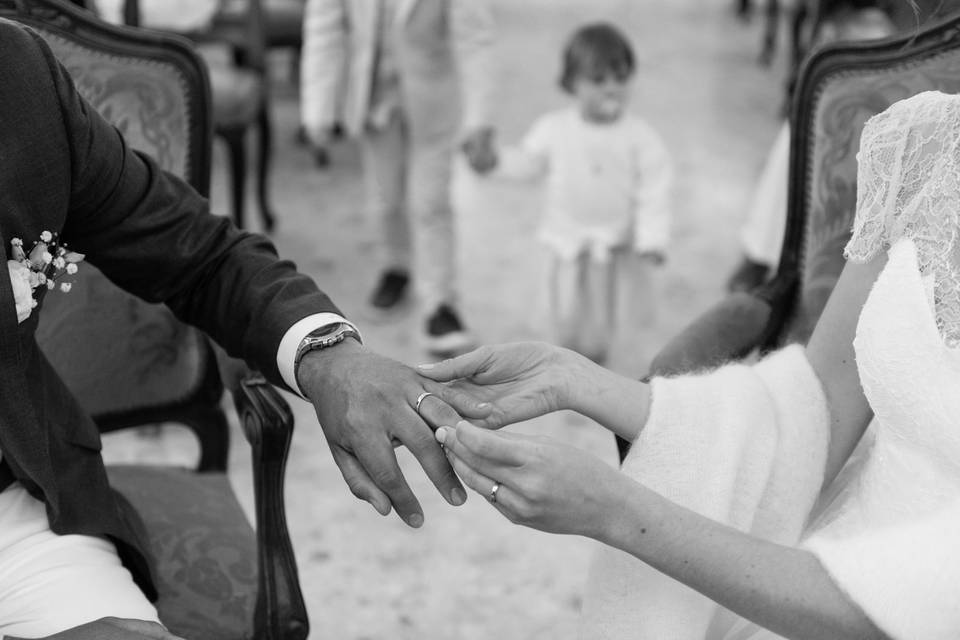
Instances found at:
x=153 y=235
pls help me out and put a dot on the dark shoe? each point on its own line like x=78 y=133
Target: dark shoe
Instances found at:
x=748 y=276
x=391 y=289
x=321 y=158
x=446 y=335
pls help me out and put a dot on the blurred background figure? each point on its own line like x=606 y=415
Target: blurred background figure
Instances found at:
x=606 y=204
x=397 y=67
x=762 y=234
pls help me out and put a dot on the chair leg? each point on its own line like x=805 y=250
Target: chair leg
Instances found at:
x=234 y=137
x=263 y=168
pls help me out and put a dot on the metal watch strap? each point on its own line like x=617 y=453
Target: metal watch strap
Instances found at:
x=324 y=337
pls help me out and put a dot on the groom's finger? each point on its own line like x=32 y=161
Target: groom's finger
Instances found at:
x=376 y=455
x=358 y=480
x=434 y=409
x=421 y=443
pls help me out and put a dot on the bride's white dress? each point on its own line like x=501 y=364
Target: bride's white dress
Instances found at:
x=894 y=512
x=888 y=529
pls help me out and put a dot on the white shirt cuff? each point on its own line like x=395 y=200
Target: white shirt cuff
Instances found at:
x=287 y=352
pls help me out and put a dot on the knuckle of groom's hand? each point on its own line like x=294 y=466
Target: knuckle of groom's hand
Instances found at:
x=536 y=489
x=524 y=512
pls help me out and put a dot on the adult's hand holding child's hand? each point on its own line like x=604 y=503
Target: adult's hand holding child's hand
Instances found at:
x=478 y=147
x=656 y=258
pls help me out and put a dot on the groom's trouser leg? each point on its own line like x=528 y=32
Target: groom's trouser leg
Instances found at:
x=49 y=583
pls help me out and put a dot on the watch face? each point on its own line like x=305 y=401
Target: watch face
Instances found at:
x=327 y=330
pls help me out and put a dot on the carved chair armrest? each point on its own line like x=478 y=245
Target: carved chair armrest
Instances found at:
x=268 y=425
x=730 y=329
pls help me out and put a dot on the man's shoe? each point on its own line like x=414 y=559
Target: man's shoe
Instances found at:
x=446 y=335
x=391 y=289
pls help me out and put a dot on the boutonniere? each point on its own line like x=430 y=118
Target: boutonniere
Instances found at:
x=44 y=266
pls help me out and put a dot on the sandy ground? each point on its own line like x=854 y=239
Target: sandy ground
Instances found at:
x=468 y=573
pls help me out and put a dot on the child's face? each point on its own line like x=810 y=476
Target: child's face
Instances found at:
x=602 y=96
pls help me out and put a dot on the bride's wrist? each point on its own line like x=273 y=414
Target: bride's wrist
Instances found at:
x=618 y=403
x=579 y=375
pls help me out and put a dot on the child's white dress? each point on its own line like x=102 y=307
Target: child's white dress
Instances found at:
x=606 y=200
x=606 y=185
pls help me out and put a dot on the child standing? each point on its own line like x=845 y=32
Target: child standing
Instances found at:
x=606 y=203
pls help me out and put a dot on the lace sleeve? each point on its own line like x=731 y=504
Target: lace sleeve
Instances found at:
x=908 y=186
x=908 y=183
x=875 y=186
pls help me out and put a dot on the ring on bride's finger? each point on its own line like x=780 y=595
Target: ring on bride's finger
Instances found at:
x=493 y=492
x=420 y=398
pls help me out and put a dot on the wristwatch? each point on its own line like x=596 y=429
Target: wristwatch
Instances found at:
x=325 y=336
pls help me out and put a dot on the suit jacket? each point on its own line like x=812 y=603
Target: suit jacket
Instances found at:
x=443 y=49
x=64 y=169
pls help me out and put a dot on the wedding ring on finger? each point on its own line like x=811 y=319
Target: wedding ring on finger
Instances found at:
x=420 y=398
x=493 y=492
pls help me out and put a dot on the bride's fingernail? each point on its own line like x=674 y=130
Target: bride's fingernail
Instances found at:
x=441 y=435
x=458 y=497
x=483 y=405
x=425 y=365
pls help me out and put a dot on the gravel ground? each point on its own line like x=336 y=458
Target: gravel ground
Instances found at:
x=468 y=573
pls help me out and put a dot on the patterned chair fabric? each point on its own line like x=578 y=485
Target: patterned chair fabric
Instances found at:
x=840 y=87
x=207 y=577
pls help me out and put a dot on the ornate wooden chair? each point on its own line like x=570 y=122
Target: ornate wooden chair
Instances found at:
x=234 y=46
x=131 y=363
x=840 y=87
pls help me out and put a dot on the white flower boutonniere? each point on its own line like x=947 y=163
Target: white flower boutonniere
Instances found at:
x=47 y=261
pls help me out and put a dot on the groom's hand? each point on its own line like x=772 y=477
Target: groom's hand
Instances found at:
x=366 y=404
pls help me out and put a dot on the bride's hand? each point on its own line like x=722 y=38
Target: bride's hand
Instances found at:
x=520 y=380
x=541 y=483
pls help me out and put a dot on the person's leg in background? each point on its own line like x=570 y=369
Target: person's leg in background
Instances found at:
x=598 y=306
x=563 y=284
x=50 y=583
x=384 y=154
x=433 y=229
x=636 y=295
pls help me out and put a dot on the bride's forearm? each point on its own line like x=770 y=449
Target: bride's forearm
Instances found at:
x=618 y=403
x=784 y=589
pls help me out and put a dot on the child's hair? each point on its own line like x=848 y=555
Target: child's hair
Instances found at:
x=596 y=50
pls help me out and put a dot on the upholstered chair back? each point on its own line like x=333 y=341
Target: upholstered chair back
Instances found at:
x=116 y=353
x=840 y=88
